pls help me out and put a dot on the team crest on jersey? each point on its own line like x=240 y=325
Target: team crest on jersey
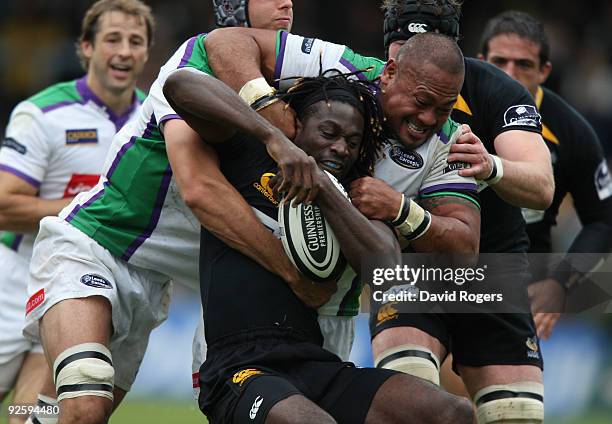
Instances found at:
x=603 y=181
x=406 y=158
x=11 y=143
x=532 y=345
x=81 y=136
x=386 y=313
x=307 y=44
x=523 y=116
x=96 y=281
x=241 y=376
x=263 y=186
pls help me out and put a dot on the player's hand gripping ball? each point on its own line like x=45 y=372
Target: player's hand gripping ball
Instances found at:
x=309 y=240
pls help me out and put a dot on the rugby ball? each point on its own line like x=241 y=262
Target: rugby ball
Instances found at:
x=309 y=241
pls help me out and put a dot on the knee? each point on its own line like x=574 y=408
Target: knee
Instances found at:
x=516 y=403
x=459 y=410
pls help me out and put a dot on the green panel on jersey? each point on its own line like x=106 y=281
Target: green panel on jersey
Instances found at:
x=198 y=58
x=64 y=92
x=8 y=239
x=125 y=211
x=364 y=62
x=350 y=304
x=449 y=127
x=141 y=95
x=450 y=193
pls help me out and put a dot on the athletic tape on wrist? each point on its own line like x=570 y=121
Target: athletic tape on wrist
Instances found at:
x=255 y=90
x=416 y=222
x=497 y=173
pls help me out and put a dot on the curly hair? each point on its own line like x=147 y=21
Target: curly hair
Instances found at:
x=336 y=86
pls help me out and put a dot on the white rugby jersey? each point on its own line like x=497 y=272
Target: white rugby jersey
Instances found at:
x=421 y=172
x=136 y=211
x=57 y=141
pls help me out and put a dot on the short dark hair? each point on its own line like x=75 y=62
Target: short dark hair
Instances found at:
x=336 y=86
x=520 y=23
x=89 y=25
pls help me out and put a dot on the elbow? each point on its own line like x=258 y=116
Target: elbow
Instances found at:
x=196 y=192
x=171 y=88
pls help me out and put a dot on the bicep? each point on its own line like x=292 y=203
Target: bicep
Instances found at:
x=522 y=146
x=11 y=184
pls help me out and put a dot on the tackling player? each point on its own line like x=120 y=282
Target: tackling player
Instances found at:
x=116 y=248
x=53 y=149
x=516 y=43
x=269 y=364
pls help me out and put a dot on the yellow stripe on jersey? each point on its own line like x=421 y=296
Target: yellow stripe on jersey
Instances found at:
x=546 y=132
x=461 y=105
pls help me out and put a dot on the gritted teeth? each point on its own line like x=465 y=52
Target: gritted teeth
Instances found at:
x=416 y=128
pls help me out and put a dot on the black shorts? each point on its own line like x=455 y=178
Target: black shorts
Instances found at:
x=475 y=339
x=240 y=383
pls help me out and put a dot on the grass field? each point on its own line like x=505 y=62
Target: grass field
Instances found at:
x=169 y=412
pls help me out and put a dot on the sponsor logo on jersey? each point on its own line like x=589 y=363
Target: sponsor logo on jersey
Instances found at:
x=416 y=28
x=79 y=183
x=386 y=313
x=255 y=407
x=11 y=143
x=241 y=376
x=523 y=116
x=263 y=186
x=603 y=181
x=406 y=158
x=96 y=281
x=455 y=166
x=307 y=44
x=35 y=301
x=81 y=136
x=195 y=380
x=532 y=345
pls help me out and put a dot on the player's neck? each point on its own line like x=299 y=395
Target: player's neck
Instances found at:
x=118 y=102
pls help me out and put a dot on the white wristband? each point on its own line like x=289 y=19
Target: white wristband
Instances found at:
x=498 y=171
x=255 y=90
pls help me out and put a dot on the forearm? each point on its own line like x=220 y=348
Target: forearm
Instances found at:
x=358 y=236
x=526 y=184
x=22 y=213
x=447 y=235
x=202 y=99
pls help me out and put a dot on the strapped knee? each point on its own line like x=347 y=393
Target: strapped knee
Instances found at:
x=516 y=403
x=84 y=370
x=411 y=359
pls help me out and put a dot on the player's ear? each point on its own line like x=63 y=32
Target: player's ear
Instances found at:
x=298 y=127
x=87 y=49
x=545 y=71
x=389 y=73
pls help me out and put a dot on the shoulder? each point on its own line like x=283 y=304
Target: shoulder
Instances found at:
x=55 y=96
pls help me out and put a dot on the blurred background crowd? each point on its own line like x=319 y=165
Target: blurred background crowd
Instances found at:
x=37 y=49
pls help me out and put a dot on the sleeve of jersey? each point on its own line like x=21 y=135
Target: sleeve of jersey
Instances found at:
x=298 y=56
x=590 y=179
x=509 y=105
x=25 y=150
x=443 y=179
x=190 y=57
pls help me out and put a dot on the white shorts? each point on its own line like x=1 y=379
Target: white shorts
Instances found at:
x=13 y=296
x=67 y=264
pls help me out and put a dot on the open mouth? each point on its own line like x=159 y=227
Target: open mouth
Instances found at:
x=334 y=167
x=120 y=69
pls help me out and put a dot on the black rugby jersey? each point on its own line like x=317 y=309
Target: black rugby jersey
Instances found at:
x=491 y=103
x=239 y=296
x=579 y=168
